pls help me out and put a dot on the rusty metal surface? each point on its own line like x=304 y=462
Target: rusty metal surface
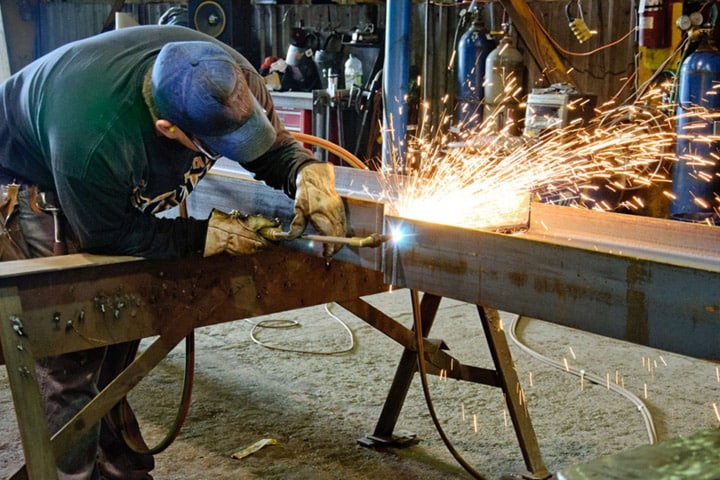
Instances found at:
x=635 y=298
x=652 y=282
x=85 y=301
x=649 y=281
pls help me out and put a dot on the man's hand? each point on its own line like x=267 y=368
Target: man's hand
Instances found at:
x=317 y=202
x=235 y=233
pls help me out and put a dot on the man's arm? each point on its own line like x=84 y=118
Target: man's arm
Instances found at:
x=105 y=223
x=280 y=165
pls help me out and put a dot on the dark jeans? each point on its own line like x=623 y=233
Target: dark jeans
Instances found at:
x=68 y=381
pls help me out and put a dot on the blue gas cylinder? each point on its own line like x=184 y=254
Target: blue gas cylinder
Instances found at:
x=473 y=49
x=696 y=173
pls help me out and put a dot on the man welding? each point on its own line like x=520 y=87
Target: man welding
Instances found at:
x=101 y=134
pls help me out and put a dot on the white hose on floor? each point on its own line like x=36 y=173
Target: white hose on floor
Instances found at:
x=642 y=408
x=280 y=323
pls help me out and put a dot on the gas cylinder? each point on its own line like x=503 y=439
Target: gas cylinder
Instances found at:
x=696 y=173
x=654 y=23
x=473 y=48
x=503 y=79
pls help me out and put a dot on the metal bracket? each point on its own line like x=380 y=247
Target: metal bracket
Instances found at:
x=400 y=439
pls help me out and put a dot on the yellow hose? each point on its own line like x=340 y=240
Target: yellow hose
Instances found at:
x=330 y=147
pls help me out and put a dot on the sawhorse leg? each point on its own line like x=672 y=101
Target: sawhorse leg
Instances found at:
x=514 y=395
x=404 y=373
x=20 y=364
x=504 y=376
x=39 y=448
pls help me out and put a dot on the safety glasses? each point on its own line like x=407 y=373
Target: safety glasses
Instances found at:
x=208 y=152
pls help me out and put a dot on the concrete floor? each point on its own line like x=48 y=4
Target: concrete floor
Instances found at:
x=316 y=404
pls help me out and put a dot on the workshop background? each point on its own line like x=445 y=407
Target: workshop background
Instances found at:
x=332 y=31
x=317 y=387
x=567 y=57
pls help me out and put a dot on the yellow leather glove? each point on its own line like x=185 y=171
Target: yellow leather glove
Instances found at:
x=235 y=233
x=317 y=202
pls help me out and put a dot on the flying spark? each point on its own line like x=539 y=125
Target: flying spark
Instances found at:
x=484 y=178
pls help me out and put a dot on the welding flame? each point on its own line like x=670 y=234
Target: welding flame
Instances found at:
x=482 y=178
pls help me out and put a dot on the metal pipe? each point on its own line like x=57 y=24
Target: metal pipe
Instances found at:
x=396 y=70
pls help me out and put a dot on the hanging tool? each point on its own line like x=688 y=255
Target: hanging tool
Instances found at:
x=577 y=24
x=46 y=202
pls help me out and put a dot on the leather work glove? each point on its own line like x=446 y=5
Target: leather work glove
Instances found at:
x=235 y=233
x=317 y=201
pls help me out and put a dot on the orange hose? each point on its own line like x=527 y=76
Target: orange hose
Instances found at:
x=330 y=147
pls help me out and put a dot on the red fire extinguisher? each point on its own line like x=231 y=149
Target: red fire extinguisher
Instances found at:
x=654 y=23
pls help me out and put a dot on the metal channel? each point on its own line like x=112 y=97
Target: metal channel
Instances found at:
x=74 y=302
x=650 y=281
x=671 y=305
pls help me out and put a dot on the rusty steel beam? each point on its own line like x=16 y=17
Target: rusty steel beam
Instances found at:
x=75 y=302
x=650 y=293
x=650 y=281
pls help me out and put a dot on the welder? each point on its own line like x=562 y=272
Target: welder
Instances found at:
x=101 y=135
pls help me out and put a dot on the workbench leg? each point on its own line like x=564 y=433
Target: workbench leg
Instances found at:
x=20 y=364
x=514 y=395
x=383 y=434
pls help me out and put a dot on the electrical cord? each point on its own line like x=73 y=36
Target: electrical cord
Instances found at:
x=580 y=54
x=417 y=322
x=417 y=319
x=132 y=439
x=330 y=147
x=642 y=408
x=281 y=324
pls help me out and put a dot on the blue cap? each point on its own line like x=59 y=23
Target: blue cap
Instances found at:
x=199 y=87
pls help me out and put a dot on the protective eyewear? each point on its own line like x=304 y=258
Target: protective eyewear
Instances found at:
x=208 y=152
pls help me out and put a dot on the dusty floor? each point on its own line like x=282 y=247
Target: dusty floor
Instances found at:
x=316 y=405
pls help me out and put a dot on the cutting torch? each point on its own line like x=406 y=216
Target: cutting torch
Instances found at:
x=374 y=240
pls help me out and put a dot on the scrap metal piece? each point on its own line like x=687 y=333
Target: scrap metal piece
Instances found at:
x=247 y=451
